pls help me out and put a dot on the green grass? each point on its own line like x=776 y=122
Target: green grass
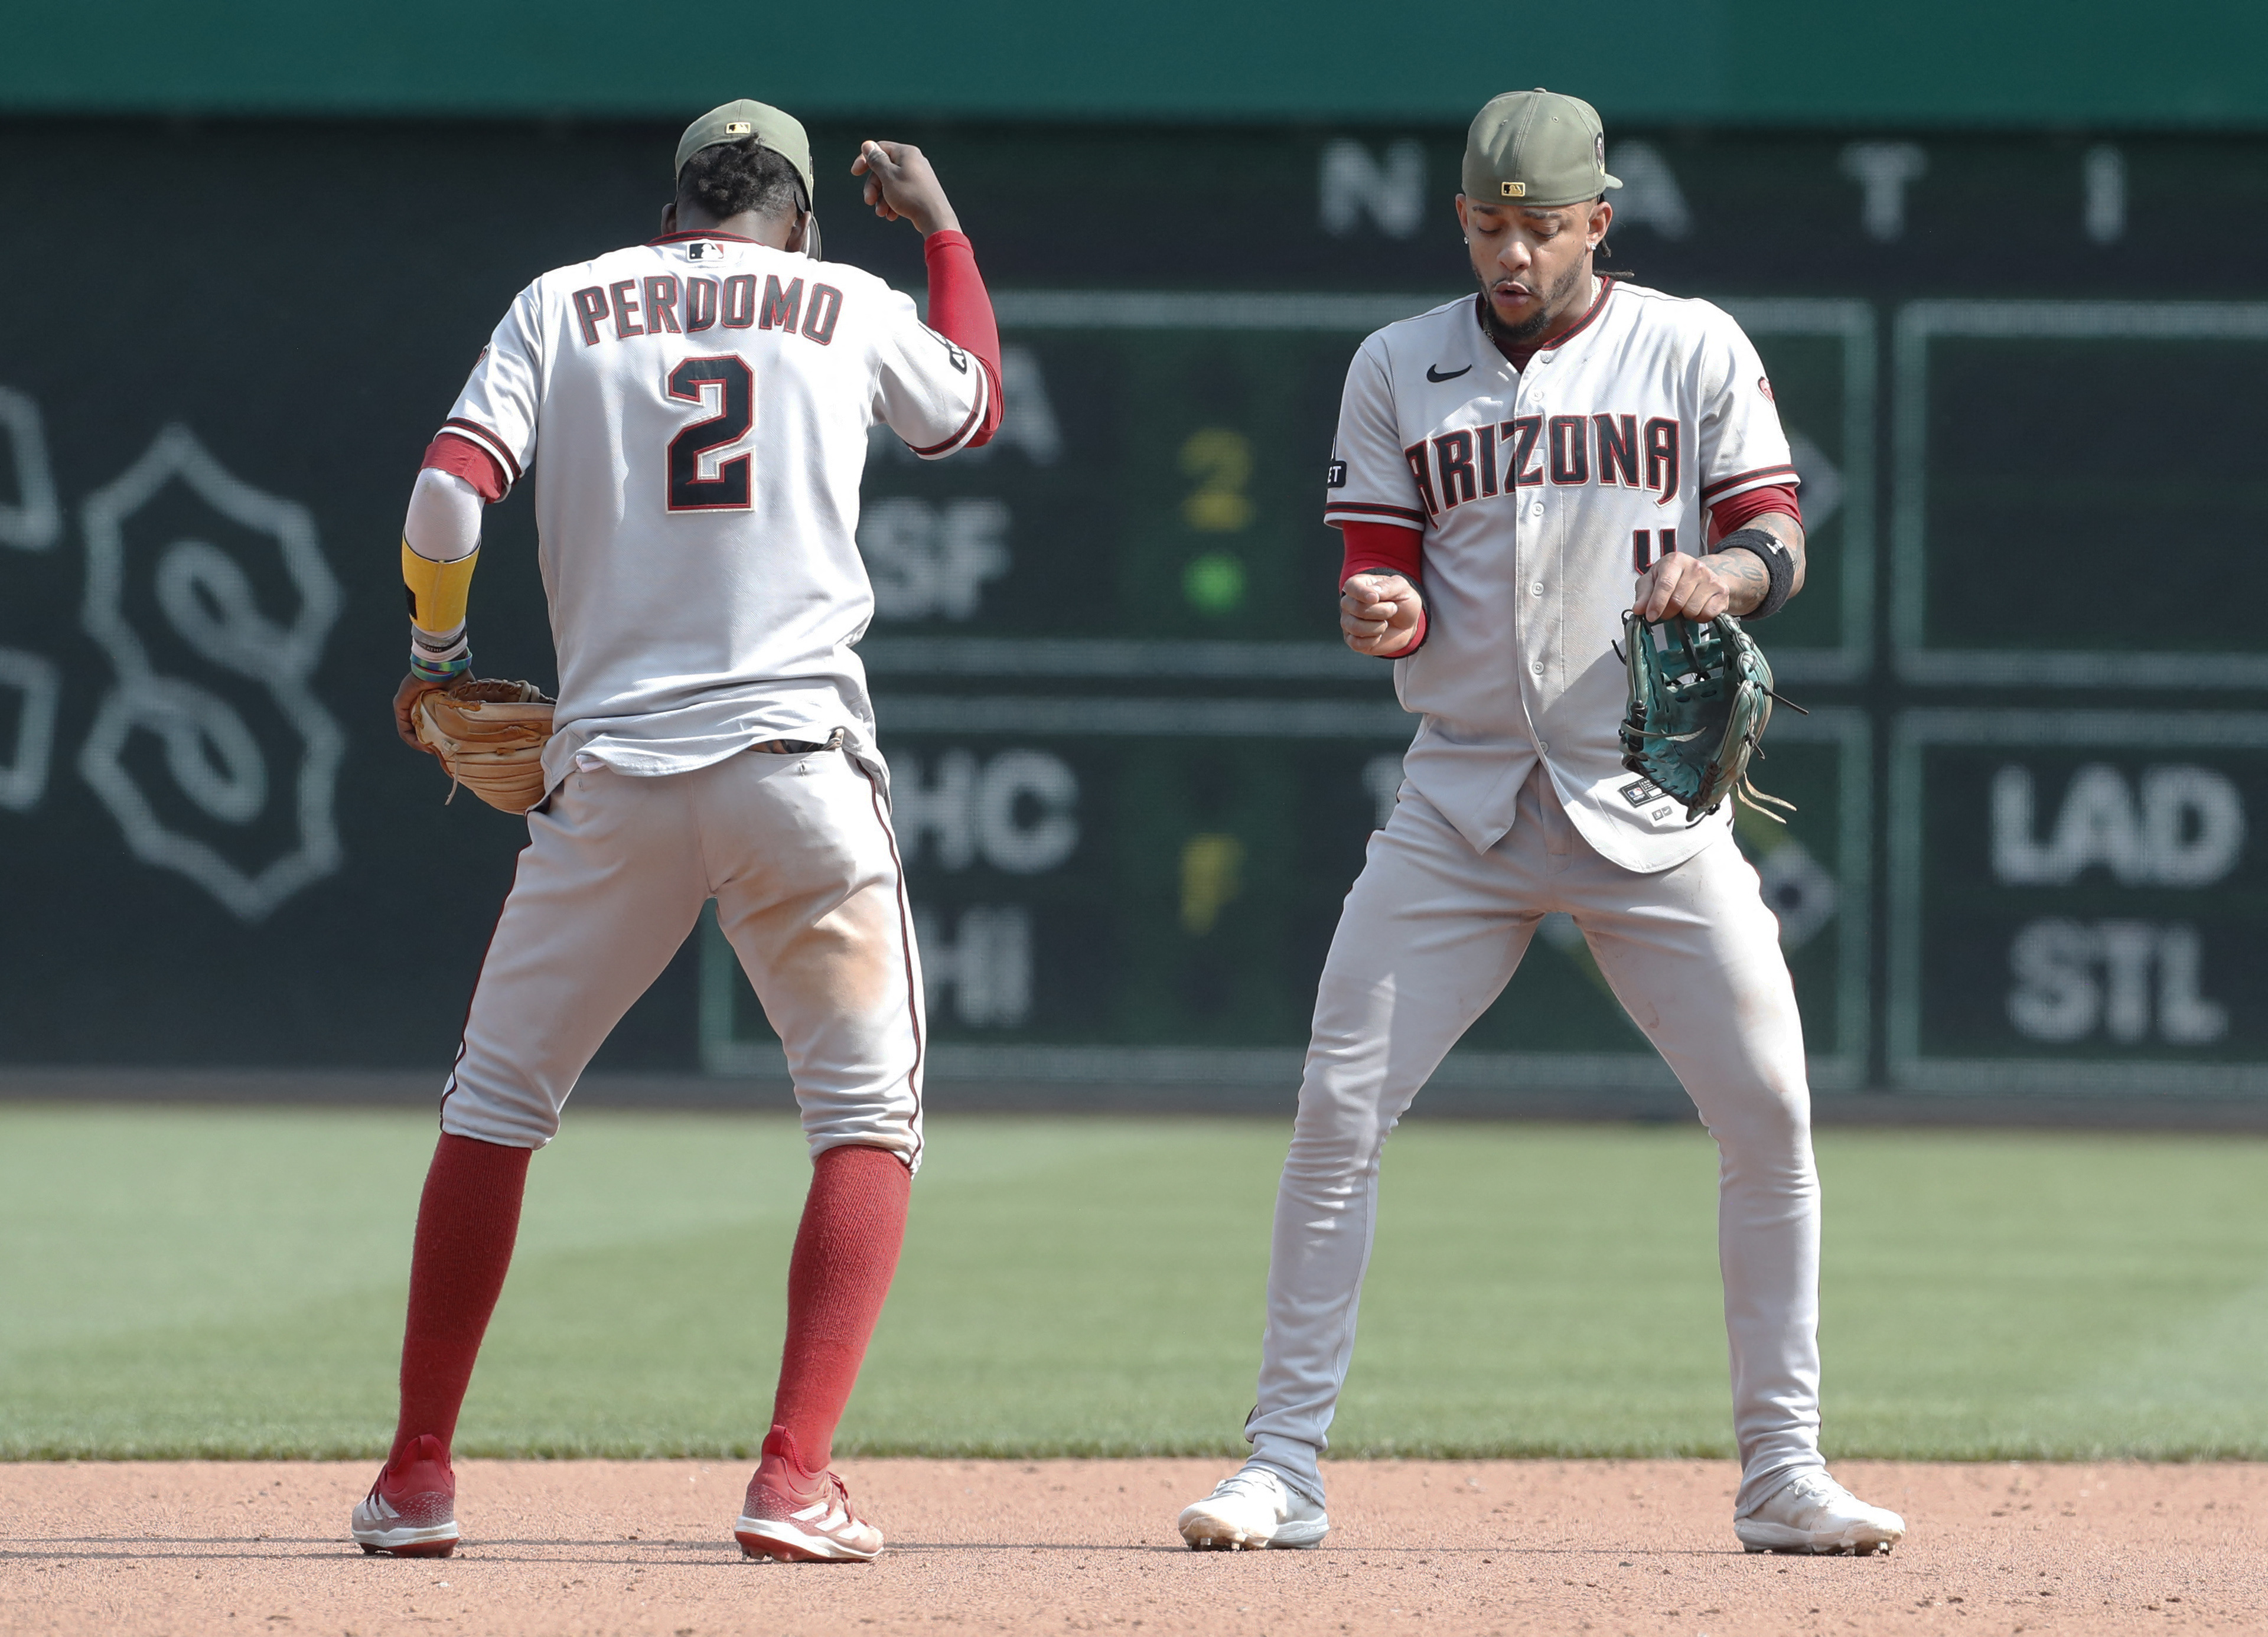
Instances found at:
x=230 y=1283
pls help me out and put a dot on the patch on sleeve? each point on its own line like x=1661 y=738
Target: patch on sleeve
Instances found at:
x=1335 y=476
x=952 y=350
x=1764 y=385
x=1638 y=792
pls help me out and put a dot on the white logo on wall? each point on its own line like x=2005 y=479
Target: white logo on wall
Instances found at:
x=33 y=521
x=1798 y=890
x=2177 y=826
x=192 y=649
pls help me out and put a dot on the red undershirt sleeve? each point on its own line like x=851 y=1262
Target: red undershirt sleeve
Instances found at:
x=960 y=310
x=1728 y=516
x=464 y=458
x=1384 y=548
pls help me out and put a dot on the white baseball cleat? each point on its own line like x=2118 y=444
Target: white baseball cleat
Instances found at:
x=1252 y=1508
x=1813 y=1513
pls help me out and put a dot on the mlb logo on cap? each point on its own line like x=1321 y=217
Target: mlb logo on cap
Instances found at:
x=737 y=128
x=1539 y=146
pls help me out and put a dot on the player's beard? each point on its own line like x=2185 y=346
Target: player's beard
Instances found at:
x=1554 y=306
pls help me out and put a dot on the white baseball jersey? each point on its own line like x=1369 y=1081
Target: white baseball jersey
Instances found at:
x=694 y=412
x=1541 y=495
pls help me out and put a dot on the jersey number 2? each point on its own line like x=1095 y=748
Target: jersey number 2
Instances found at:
x=725 y=487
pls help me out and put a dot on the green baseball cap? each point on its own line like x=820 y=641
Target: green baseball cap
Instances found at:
x=1538 y=147
x=781 y=132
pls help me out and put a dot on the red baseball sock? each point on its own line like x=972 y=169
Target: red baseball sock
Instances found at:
x=467 y=1222
x=854 y=1221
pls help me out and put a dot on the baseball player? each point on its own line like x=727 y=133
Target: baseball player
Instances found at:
x=1507 y=468
x=693 y=413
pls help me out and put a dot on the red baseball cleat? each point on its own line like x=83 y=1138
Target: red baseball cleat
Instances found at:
x=411 y=1510
x=801 y=1517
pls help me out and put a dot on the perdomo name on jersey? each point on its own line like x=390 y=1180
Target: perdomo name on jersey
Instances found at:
x=1529 y=450
x=653 y=305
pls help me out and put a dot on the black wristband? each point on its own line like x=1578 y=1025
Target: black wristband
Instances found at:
x=1779 y=568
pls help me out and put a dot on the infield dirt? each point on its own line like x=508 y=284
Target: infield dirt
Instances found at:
x=1056 y=1547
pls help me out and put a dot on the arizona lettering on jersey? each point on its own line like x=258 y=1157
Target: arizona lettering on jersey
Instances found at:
x=1528 y=451
x=1540 y=493
x=693 y=413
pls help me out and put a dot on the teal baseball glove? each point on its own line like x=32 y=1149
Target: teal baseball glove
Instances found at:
x=1700 y=696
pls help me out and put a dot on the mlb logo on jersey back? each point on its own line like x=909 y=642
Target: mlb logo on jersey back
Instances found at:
x=704 y=250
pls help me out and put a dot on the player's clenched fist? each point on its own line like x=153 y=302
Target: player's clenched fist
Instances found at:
x=1684 y=587
x=1379 y=614
x=900 y=182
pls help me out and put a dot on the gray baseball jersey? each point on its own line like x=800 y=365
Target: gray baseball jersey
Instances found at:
x=701 y=407
x=1541 y=494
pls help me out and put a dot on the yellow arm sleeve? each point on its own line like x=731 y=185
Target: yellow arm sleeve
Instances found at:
x=438 y=591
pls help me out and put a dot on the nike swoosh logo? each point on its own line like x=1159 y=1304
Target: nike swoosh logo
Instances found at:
x=1437 y=378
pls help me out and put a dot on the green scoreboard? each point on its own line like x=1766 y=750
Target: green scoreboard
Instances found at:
x=1135 y=769
x=2081 y=496
x=2075 y=900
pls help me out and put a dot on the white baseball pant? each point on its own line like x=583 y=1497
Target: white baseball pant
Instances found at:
x=1430 y=933
x=797 y=852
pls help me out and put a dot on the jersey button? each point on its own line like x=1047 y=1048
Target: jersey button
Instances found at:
x=1544 y=747
x=1535 y=667
x=1536 y=588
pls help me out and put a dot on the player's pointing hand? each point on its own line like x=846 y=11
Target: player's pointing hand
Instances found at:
x=1378 y=613
x=900 y=183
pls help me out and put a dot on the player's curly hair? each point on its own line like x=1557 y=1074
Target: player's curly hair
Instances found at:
x=735 y=176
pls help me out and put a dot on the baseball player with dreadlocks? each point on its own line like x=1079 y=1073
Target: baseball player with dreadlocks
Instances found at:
x=1513 y=471
x=692 y=415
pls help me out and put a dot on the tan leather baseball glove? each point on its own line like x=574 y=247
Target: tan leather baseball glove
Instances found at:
x=490 y=736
